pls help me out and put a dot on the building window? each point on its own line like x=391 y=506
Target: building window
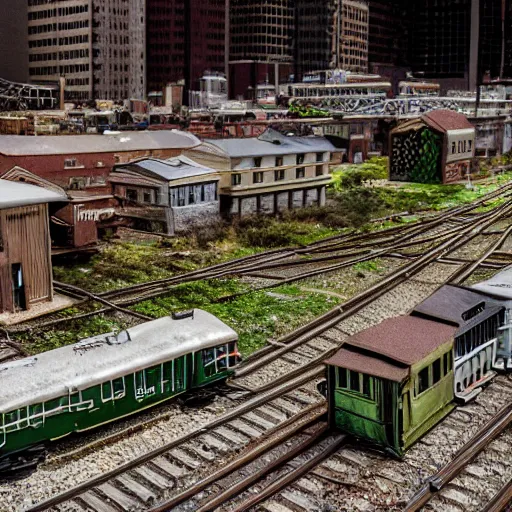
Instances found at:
x=191 y=195
x=279 y=161
x=300 y=159
x=257 y=177
x=257 y=161
x=319 y=170
x=147 y=196
x=131 y=194
x=300 y=173
x=319 y=157
x=70 y=162
x=236 y=179
x=279 y=175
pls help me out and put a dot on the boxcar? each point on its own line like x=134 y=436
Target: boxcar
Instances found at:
x=391 y=383
x=477 y=318
x=106 y=377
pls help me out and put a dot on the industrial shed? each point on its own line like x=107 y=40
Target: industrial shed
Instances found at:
x=171 y=195
x=25 y=261
x=436 y=148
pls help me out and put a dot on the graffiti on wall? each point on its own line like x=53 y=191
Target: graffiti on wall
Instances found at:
x=456 y=171
x=93 y=215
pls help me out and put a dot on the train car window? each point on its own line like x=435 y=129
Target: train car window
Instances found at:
x=436 y=371
x=151 y=380
x=234 y=356
x=107 y=393
x=423 y=383
x=367 y=391
x=56 y=406
x=167 y=371
x=179 y=373
x=447 y=362
x=209 y=362
x=119 y=388
x=354 y=382
x=342 y=378
x=35 y=415
x=11 y=421
x=222 y=362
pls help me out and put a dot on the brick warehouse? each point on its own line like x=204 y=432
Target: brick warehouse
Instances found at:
x=81 y=169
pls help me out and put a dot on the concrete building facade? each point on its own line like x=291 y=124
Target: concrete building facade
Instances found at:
x=268 y=174
x=98 y=46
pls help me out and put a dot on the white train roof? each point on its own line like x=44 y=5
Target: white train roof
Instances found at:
x=99 y=359
x=499 y=285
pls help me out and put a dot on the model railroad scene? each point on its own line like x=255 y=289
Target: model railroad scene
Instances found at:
x=255 y=256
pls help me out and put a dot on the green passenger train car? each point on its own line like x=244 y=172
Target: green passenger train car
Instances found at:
x=106 y=377
x=391 y=383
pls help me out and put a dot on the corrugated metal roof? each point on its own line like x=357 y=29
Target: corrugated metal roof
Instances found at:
x=356 y=361
x=264 y=145
x=14 y=193
x=449 y=303
x=499 y=285
x=444 y=120
x=169 y=170
x=51 y=374
x=73 y=144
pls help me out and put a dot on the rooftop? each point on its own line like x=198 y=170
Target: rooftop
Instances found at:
x=388 y=349
x=92 y=361
x=499 y=285
x=169 y=170
x=444 y=120
x=449 y=304
x=272 y=142
x=20 y=145
x=14 y=194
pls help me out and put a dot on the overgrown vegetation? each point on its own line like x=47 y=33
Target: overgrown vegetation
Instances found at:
x=255 y=316
x=352 y=176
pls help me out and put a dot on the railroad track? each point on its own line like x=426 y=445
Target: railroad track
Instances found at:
x=139 y=482
x=309 y=368
x=353 y=247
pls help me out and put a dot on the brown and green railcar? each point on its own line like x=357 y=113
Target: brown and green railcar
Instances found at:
x=391 y=383
x=107 y=377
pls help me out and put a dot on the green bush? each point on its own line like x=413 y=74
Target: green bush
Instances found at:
x=358 y=174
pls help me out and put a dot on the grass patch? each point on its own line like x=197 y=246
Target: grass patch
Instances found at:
x=256 y=316
x=369 y=266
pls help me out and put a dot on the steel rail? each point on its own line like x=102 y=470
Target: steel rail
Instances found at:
x=249 y=480
x=483 y=437
x=292 y=476
x=246 y=457
x=248 y=406
x=501 y=500
x=339 y=313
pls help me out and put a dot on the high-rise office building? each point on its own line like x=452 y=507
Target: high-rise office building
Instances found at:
x=98 y=46
x=13 y=43
x=185 y=38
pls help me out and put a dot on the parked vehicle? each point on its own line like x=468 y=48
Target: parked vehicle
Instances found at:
x=107 y=377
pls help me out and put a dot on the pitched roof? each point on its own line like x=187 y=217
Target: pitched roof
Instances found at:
x=360 y=362
x=169 y=170
x=20 y=145
x=14 y=193
x=444 y=120
x=398 y=342
x=449 y=303
x=272 y=142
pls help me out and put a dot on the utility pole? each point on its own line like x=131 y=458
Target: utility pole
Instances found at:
x=475 y=71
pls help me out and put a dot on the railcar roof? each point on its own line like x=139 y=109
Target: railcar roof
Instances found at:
x=92 y=361
x=400 y=341
x=450 y=302
x=499 y=285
